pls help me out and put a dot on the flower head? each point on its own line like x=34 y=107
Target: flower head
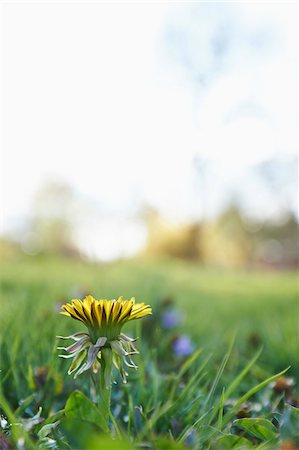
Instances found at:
x=104 y=343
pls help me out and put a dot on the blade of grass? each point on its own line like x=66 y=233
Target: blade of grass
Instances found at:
x=193 y=382
x=251 y=392
x=220 y=371
x=237 y=381
x=189 y=428
x=188 y=363
x=240 y=377
x=216 y=380
x=159 y=412
x=116 y=427
x=186 y=366
x=220 y=414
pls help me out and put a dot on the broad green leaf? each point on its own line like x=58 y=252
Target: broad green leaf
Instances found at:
x=96 y=442
x=230 y=441
x=164 y=443
x=77 y=433
x=260 y=428
x=78 y=406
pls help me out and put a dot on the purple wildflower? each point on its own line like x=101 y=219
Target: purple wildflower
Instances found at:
x=170 y=319
x=183 y=346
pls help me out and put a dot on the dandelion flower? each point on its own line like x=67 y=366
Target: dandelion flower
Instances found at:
x=104 y=344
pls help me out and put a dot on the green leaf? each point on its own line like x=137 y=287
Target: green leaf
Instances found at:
x=229 y=441
x=105 y=442
x=78 y=406
x=164 y=443
x=260 y=428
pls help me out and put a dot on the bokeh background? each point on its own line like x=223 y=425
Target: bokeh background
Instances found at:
x=151 y=130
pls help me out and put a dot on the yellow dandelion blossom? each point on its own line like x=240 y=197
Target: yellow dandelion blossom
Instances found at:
x=104 y=320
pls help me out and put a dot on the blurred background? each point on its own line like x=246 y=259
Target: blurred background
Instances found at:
x=153 y=130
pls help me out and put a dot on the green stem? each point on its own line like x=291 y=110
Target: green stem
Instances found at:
x=104 y=390
x=104 y=395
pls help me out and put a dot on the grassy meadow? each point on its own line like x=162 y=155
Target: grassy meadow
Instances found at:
x=242 y=327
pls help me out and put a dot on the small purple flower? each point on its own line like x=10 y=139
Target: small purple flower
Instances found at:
x=183 y=346
x=170 y=319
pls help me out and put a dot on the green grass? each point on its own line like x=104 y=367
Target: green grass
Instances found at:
x=166 y=403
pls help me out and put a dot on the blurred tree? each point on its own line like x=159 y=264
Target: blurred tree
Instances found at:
x=277 y=244
x=229 y=240
x=176 y=240
x=227 y=243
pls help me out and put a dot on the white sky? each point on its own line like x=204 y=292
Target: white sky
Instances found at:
x=119 y=98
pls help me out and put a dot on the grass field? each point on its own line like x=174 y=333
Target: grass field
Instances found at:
x=245 y=323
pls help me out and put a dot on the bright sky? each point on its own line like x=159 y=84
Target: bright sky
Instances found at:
x=120 y=99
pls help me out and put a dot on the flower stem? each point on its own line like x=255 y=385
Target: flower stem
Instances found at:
x=105 y=385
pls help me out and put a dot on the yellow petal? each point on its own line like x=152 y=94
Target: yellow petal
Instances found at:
x=87 y=302
x=126 y=310
x=141 y=311
x=98 y=311
x=116 y=310
x=79 y=307
x=69 y=308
